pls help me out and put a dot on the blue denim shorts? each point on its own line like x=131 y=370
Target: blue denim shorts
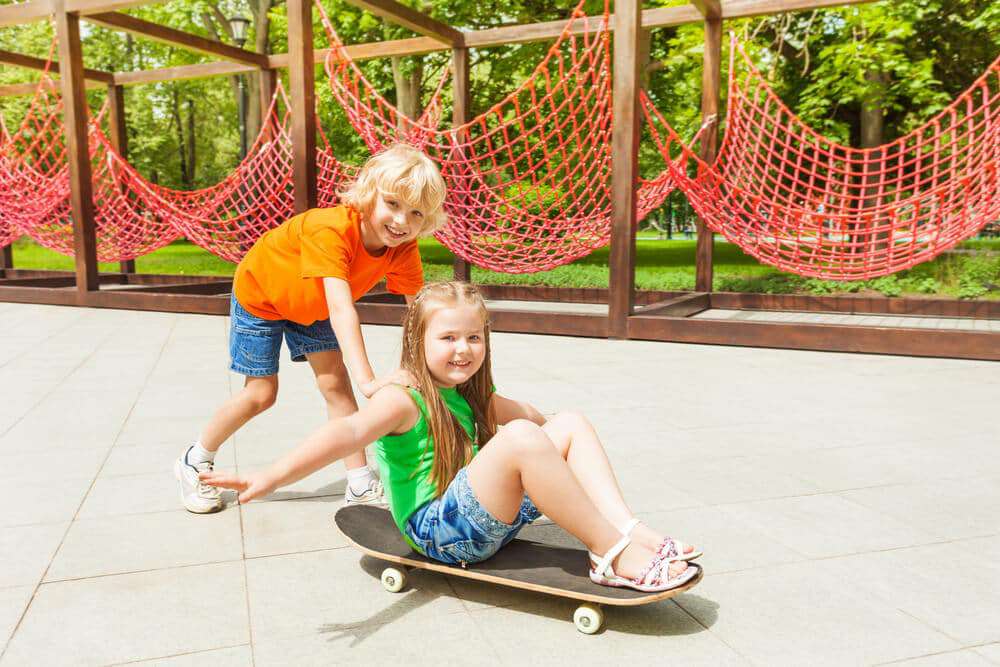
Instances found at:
x=456 y=529
x=255 y=343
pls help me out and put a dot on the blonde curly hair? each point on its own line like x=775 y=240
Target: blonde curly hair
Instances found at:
x=403 y=172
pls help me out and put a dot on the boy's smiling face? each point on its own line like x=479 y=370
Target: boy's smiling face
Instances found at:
x=394 y=222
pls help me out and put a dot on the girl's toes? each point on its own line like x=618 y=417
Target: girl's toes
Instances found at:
x=677 y=568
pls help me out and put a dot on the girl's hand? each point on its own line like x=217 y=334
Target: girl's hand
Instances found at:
x=249 y=487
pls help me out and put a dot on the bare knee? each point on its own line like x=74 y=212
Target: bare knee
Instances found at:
x=525 y=437
x=570 y=421
x=261 y=395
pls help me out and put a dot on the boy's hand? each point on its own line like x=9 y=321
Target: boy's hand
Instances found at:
x=398 y=376
x=249 y=487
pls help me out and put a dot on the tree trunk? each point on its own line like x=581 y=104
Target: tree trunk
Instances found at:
x=408 y=87
x=262 y=30
x=181 y=145
x=872 y=136
x=190 y=141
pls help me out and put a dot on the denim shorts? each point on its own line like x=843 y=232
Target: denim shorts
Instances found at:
x=456 y=529
x=255 y=343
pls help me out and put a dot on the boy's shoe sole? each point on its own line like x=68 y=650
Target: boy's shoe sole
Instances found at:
x=204 y=507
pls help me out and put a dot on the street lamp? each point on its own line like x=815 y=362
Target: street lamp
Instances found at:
x=239 y=25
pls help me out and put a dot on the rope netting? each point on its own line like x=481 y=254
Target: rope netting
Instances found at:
x=529 y=180
x=134 y=216
x=800 y=202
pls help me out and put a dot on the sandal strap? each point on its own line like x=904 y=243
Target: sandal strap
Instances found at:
x=604 y=562
x=630 y=526
x=655 y=564
x=669 y=547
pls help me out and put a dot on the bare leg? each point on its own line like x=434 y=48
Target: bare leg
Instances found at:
x=577 y=442
x=522 y=459
x=257 y=395
x=335 y=386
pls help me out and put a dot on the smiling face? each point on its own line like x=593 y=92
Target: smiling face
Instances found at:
x=454 y=343
x=393 y=222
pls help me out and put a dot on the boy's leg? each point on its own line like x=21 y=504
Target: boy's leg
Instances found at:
x=577 y=442
x=334 y=384
x=522 y=459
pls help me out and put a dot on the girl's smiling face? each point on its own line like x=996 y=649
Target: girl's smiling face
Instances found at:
x=393 y=221
x=454 y=343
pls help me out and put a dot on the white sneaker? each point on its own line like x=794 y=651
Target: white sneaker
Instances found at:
x=372 y=495
x=196 y=496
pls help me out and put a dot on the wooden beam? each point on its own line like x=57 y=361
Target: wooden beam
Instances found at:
x=625 y=164
x=118 y=136
x=16 y=89
x=412 y=19
x=166 y=35
x=711 y=83
x=77 y=153
x=31 y=62
x=24 y=12
x=301 y=75
x=461 y=269
x=180 y=73
x=741 y=9
x=710 y=9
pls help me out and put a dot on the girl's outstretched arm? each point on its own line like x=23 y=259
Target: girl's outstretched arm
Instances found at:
x=507 y=410
x=389 y=410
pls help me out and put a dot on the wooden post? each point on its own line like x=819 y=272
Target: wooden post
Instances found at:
x=71 y=84
x=711 y=76
x=268 y=82
x=460 y=114
x=625 y=165
x=119 y=140
x=6 y=258
x=301 y=80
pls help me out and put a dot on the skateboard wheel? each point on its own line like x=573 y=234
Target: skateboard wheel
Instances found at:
x=393 y=579
x=588 y=618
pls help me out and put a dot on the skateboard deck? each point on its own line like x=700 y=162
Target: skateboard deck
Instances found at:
x=543 y=558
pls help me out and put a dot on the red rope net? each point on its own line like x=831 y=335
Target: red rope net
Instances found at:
x=798 y=201
x=135 y=217
x=529 y=179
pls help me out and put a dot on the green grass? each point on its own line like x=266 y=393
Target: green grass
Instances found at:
x=660 y=265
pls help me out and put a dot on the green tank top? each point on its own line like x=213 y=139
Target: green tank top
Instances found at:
x=405 y=460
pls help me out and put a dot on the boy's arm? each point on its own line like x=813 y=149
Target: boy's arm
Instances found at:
x=347 y=327
x=388 y=411
x=507 y=410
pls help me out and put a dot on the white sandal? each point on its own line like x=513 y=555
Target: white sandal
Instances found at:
x=669 y=548
x=653 y=579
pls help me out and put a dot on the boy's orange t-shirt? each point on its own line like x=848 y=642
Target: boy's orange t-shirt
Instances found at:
x=281 y=278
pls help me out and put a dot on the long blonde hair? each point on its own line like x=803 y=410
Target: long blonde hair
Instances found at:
x=404 y=172
x=452 y=446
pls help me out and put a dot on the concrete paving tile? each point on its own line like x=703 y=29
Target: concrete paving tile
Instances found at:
x=13 y=602
x=732 y=480
x=155 y=458
x=26 y=551
x=991 y=652
x=108 y=545
x=136 y=494
x=825 y=525
x=133 y=617
x=179 y=430
x=25 y=501
x=292 y=526
x=950 y=509
x=402 y=641
x=645 y=492
x=236 y=656
x=729 y=544
x=302 y=594
x=632 y=635
x=326 y=485
x=58 y=463
x=793 y=615
x=964 y=658
x=948 y=586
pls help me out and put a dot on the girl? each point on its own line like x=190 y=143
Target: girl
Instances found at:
x=299 y=283
x=458 y=502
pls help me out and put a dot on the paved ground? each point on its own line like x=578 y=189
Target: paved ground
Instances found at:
x=848 y=506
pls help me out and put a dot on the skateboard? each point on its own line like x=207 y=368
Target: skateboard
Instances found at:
x=542 y=558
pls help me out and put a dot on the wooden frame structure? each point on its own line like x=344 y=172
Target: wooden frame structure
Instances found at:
x=664 y=316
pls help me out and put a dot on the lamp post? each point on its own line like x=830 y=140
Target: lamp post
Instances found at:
x=239 y=26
